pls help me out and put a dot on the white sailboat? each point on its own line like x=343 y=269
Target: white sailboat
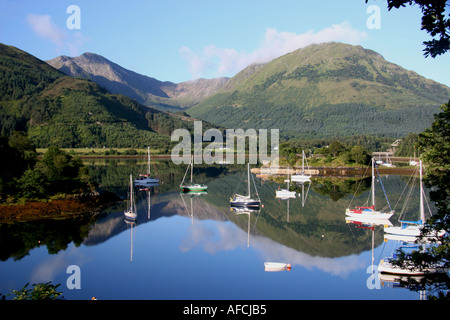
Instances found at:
x=370 y=212
x=413 y=228
x=193 y=187
x=302 y=177
x=386 y=265
x=130 y=211
x=245 y=201
x=145 y=179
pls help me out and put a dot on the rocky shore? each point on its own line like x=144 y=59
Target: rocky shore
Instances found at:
x=67 y=207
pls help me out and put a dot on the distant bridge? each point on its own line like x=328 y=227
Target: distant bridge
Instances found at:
x=382 y=155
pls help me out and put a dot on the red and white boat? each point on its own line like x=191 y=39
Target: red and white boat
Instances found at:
x=369 y=211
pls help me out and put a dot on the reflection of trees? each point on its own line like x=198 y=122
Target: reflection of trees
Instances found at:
x=340 y=188
x=18 y=239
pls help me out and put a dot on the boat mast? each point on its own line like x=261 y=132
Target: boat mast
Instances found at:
x=131 y=193
x=303 y=161
x=248 y=177
x=148 y=153
x=422 y=210
x=192 y=167
x=373 y=183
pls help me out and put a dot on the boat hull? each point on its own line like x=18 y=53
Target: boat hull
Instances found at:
x=276 y=266
x=409 y=230
x=368 y=214
x=130 y=215
x=146 y=182
x=386 y=267
x=194 y=188
x=285 y=194
x=300 y=178
x=246 y=203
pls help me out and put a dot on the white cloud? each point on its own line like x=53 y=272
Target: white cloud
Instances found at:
x=45 y=28
x=228 y=61
x=224 y=237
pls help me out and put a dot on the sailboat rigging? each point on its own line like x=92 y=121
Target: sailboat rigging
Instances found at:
x=370 y=212
x=131 y=212
x=302 y=177
x=246 y=201
x=413 y=228
x=193 y=186
x=145 y=179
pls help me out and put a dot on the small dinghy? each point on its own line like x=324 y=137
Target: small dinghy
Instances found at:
x=276 y=266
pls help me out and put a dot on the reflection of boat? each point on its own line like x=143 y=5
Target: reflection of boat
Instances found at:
x=370 y=212
x=145 y=179
x=363 y=221
x=413 y=228
x=285 y=193
x=246 y=201
x=132 y=224
x=131 y=212
x=192 y=195
x=302 y=177
x=149 y=203
x=192 y=186
x=247 y=211
x=276 y=266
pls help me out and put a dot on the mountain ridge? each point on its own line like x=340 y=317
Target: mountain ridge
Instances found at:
x=144 y=89
x=56 y=109
x=323 y=90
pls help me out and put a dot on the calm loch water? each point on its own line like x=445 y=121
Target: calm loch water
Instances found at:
x=193 y=247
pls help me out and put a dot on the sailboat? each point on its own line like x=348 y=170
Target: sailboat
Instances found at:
x=386 y=265
x=193 y=186
x=131 y=212
x=145 y=179
x=245 y=201
x=285 y=193
x=370 y=212
x=413 y=228
x=302 y=177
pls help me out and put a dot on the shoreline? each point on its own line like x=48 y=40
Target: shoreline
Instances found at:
x=67 y=207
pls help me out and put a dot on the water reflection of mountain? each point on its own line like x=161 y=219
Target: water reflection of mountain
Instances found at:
x=317 y=228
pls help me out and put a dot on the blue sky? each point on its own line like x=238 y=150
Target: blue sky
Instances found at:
x=179 y=40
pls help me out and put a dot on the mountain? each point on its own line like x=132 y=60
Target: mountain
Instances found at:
x=56 y=109
x=146 y=90
x=326 y=90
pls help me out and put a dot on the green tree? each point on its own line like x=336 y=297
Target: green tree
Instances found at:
x=32 y=184
x=40 y=291
x=336 y=148
x=434 y=143
x=359 y=155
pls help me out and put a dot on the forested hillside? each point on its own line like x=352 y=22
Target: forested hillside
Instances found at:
x=326 y=90
x=55 y=109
